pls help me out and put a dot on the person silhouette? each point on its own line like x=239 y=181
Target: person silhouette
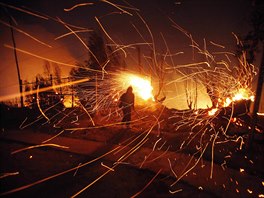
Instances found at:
x=126 y=103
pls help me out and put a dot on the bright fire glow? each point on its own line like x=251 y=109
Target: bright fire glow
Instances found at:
x=212 y=111
x=242 y=94
x=67 y=101
x=141 y=86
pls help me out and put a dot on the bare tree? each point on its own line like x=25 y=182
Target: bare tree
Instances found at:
x=47 y=69
x=57 y=73
x=101 y=58
x=191 y=96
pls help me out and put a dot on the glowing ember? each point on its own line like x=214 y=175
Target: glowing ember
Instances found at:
x=67 y=101
x=227 y=102
x=212 y=111
x=141 y=86
x=242 y=94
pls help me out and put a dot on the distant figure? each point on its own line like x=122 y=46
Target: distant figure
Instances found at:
x=126 y=102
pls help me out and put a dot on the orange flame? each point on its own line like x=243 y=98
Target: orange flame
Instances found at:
x=141 y=86
x=242 y=94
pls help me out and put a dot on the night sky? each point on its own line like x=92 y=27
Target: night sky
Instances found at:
x=205 y=19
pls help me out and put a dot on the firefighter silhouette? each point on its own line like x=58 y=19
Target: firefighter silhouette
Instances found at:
x=126 y=103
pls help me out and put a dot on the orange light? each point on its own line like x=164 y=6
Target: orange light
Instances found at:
x=233 y=119
x=67 y=101
x=241 y=94
x=249 y=191
x=227 y=102
x=212 y=111
x=141 y=86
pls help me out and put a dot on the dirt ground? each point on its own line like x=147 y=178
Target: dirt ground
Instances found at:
x=164 y=151
x=36 y=164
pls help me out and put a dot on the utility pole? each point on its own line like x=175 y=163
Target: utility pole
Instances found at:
x=257 y=99
x=17 y=66
x=96 y=95
x=72 y=94
x=139 y=59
